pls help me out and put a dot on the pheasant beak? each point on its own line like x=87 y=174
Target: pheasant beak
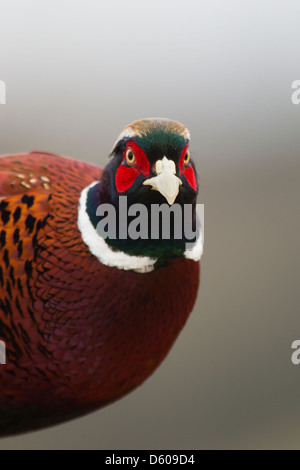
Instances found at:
x=166 y=181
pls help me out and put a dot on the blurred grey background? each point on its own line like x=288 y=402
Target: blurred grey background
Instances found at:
x=76 y=73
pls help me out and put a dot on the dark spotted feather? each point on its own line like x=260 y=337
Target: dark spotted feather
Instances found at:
x=78 y=334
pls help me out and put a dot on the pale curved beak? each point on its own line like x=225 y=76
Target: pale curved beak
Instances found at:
x=166 y=181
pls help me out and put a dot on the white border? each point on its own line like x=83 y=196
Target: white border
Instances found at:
x=118 y=259
x=99 y=248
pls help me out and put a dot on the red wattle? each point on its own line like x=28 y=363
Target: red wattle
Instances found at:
x=125 y=178
x=187 y=171
x=126 y=175
x=191 y=177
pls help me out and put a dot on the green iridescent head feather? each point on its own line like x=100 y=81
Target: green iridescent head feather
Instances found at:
x=156 y=133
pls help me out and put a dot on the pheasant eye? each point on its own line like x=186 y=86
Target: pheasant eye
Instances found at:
x=187 y=157
x=130 y=157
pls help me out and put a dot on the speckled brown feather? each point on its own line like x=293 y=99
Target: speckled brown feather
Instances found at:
x=78 y=334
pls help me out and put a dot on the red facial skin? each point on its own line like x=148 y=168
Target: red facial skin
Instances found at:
x=78 y=334
x=126 y=175
x=187 y=170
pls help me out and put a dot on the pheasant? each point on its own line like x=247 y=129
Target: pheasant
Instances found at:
x=85 y=318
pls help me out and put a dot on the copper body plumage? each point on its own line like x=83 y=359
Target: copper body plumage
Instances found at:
x=78 y=334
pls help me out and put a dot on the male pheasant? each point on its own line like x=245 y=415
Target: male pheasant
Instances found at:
x=85 y=319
